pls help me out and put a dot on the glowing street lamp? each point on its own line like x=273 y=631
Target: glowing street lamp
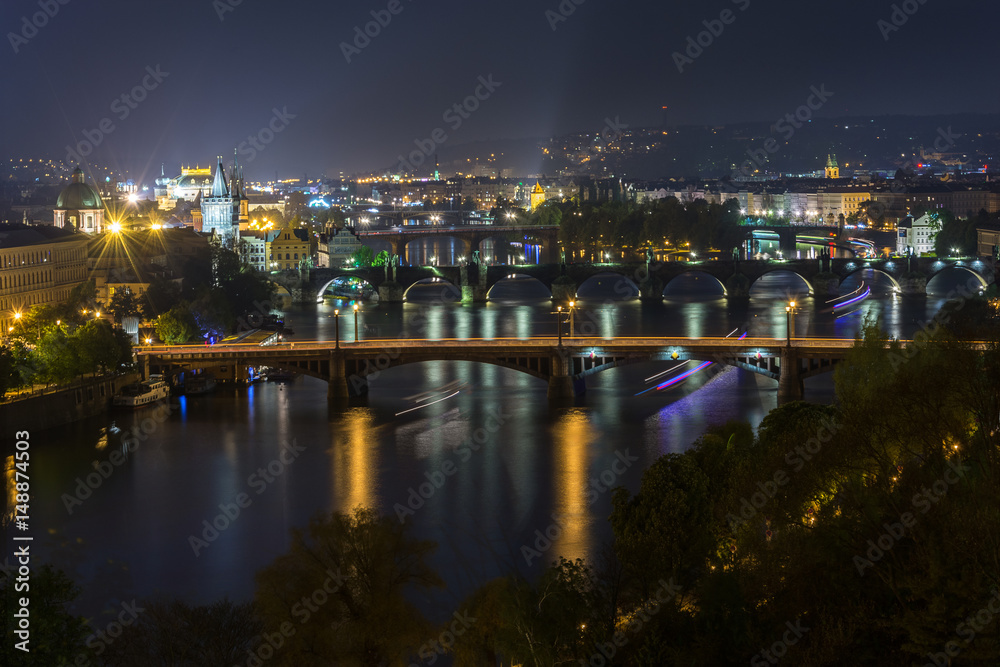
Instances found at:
x=559 y=321
x=572 y=312
x=355 y=323
x=789 y=322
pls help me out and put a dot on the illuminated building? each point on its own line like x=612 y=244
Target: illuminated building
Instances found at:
x=38 y=266
x=188 y=186
x=336 y=247
x=537 y=196
x=255 y=247
x=290 y=249
x=832 y=169
x=223 y=210
x=917 y=236
x=79 y=207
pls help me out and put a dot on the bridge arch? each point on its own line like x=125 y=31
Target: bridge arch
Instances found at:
x=798 y=275
x=876 y=269
x=282 y=292
x=322 y=290
x=506 y=281
x=624 y=288
x=983 y=283
x=697 y=273
x=449 y=288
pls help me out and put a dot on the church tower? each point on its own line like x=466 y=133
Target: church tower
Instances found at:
x=241 y=204
x=832 y=170
x=537 y=196
x=220 y=210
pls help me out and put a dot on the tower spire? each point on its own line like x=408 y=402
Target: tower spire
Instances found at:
x=219 y=187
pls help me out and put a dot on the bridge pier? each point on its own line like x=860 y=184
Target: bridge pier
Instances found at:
x=790 y=387
x=473 y=283
x=562 y=386
x=913 y=285
x=824 y=284
x=563 y=289
x=651 y=288
x=337 y=390
x=737 y=286
x=391 y=292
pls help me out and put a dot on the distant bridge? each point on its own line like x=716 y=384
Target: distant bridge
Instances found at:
x=471 y=236
x=820 y=276
x=564 y=367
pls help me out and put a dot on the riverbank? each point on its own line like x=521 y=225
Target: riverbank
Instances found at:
x=51 y=407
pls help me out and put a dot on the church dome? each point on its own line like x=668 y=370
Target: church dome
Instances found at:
x=78 y=196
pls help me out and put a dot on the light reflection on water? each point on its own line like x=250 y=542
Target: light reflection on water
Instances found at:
x=536 y=462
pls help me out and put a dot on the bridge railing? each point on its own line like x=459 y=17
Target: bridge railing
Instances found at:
x=534 y=342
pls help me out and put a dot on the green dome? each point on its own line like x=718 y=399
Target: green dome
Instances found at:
x=78 y=196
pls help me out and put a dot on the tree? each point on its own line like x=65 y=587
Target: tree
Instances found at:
x=177 y=326
x=57 y=637
x=367 y=566
x=124 y=303
x=363 y=256
x=160 y=296
x=664 y=532
x=175 y=633
x=58 y=356
x=381 y=259
x=9 y=377
x=98 y=347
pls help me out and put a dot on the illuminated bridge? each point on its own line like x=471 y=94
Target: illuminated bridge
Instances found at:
x=564 y=367
x=735 y=278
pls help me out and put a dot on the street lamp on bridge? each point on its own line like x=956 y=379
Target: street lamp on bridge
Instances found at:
x=559 y=322
x=355 y=323
x=336 y=320
x=790 y=322
x=572 y=312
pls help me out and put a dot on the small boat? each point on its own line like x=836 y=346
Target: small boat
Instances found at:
x=202 y=383
x=142 y=393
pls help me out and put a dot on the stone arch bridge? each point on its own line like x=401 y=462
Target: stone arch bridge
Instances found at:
x=822 y=276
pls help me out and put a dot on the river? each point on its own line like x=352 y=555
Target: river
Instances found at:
x=517 y=461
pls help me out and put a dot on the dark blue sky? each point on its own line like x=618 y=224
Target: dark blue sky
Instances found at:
x=225 y=77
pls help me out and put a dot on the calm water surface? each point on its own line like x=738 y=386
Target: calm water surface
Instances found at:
x=517 y=460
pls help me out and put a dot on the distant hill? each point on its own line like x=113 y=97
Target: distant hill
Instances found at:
x=868 y=143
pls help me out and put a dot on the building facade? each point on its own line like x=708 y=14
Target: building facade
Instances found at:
x=290 y=249
x=192 y=182
x=916 y=236
x=336 y=247
x=38 y=266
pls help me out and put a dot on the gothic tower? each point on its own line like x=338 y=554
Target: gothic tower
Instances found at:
x=220 y=210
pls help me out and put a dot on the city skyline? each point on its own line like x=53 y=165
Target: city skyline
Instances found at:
x=304 y=90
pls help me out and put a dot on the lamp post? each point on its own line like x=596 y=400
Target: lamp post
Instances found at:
x=559 y=324
x=355 y=323
x=336 y=329
x=572 y=312
x=789 y=322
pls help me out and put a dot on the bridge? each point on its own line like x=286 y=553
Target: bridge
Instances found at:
x=821 y=277
x=564 y=363
x=472 y=237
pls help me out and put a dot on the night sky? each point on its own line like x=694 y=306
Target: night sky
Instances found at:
x=607 y=59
